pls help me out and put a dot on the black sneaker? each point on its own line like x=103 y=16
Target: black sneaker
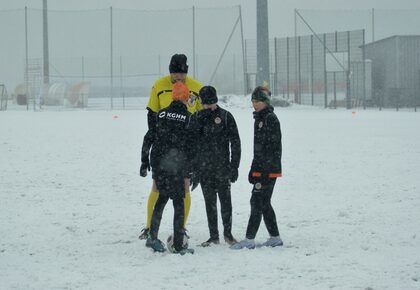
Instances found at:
x=183 y=251
x=156 y=245
x=210 y=241
x=149 y=242
x=230 y=239
x=144 y=234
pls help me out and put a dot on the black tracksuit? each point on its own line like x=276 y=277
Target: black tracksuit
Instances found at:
x=170 y=161
x=218 y=155
x=265 y=168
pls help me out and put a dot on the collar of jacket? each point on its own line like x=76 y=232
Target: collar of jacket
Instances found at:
x=215 y=111
x=178 y=105
x=264 y=112
x=208 y=112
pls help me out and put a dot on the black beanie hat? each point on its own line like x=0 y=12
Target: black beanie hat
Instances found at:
x=208 y=95
x=178 y=64
x=261 y=94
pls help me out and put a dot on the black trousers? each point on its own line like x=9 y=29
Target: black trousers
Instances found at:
x=212 y=187
x=178 y=203
x=261 y=207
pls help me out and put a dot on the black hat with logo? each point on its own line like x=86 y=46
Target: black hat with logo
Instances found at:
x=178 y=64
x=208 y=95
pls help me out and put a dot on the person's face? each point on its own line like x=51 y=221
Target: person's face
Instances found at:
x=211 y=106
x=258 y=106
x=178 y=77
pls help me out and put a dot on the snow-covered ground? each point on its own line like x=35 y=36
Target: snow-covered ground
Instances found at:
x=348 y=207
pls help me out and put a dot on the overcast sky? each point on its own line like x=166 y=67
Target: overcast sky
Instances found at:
x=280 y=11
x=87 y=34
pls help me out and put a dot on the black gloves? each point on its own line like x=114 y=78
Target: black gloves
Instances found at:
x=144 y=167
x=251 y=179
x=233 y=175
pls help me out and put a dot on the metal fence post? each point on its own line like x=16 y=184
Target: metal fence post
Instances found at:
x=83 y=68
x=364 y=71
x=348 y=97
x=26 y=60
x=335 y=73
x=121 y=82
x=299 y=73
x=373 y=24
x=160 y=66
x=325 y=72
x=45 y=43
x=275 y=85
x=111 y=62
x=335 y=90
x=287 y=67
x=312 y=69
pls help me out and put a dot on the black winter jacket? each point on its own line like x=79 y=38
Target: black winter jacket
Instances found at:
x=219 y=145
x=267 y=144
x=172 y=141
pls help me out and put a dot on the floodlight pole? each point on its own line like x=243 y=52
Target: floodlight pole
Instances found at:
x=193 y=40
x=263 y=57
x=26 y=59
x=111 y=64
x=373 y=24
x=45 y=42
x=243 y=53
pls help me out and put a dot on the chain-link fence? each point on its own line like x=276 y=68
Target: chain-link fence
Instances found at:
x=329 y=61
x=392 y=54
x=109 y=58
x=377 y=23
x=115 y=54
x=327 y=69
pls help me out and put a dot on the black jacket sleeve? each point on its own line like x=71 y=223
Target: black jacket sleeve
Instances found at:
x=147 y=144
x=275 y=144
x=192 y=143
x=235 y=141
x=149 y=137
x=151 y=119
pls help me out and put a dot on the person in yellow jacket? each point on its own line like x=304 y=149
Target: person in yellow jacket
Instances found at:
x=160 y=98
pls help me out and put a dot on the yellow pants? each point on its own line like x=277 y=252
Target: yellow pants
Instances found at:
x=153 y=197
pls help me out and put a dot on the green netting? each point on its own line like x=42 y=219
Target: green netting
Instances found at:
x=121 y=52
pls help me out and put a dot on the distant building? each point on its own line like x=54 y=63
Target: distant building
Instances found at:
x=395 y=70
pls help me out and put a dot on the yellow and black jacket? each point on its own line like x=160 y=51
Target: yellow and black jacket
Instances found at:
x=161 y=94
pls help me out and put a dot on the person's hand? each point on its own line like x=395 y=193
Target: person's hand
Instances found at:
x=233 y=175
x=251 y=179
x=144 y=167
